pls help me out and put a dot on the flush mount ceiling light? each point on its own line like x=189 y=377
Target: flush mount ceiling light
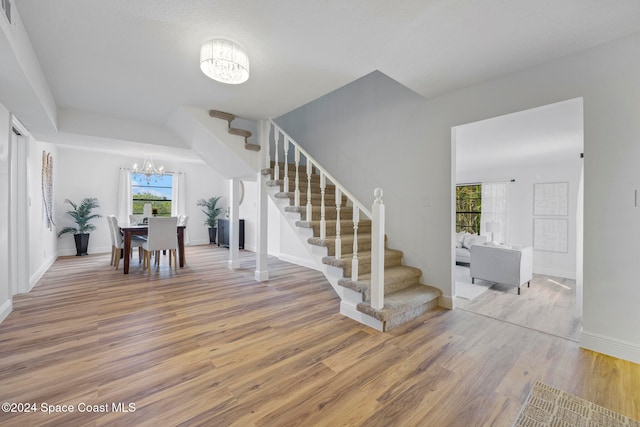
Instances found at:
x=224 y=61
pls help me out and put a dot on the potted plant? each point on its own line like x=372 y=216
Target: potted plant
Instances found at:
x=82 y=216
x=212 y=212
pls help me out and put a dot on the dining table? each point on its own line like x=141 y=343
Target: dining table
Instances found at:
x=129 y=230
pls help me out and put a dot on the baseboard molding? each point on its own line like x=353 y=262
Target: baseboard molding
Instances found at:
x=5 y=309
x=556 y=273
x=445 y=302
x=610 y=346
x=92 y=251
x=299 y=261
x=40 y=271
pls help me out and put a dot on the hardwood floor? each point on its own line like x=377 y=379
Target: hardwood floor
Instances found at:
x=549 y=305
x=210 y=346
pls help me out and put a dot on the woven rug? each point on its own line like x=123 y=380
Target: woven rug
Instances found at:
x=548 y=406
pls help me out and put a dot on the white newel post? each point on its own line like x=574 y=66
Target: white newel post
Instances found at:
x=234 y=224
x=338 y=251
x=377 y=251
x=266 y=142
x=286 y=164
x=323 y=223
x=297 y=190
x=276 y=168
x=309 y=172
x=262 y=266
x=354 y=260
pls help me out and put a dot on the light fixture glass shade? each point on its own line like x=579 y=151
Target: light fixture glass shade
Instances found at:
x=224 y=61
x=148 y=170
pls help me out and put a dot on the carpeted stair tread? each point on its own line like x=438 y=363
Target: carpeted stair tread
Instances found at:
x=222 y=115
x=346 y=226
x=395 y=278
x=404 y=305
x=240 y=132
x=315 y=212
x=392 y=258
x=316 y=198
x=251 y=147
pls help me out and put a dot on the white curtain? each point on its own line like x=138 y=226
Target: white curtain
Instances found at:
x=178 y=200
x=177 y=194
x=125 y=204
x=495 y=198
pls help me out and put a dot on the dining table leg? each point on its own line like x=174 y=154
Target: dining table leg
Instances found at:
x=127 y=250
x=181 y=245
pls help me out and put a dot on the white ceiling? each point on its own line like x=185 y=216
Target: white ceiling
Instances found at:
x=543 y=135
x=138 y=59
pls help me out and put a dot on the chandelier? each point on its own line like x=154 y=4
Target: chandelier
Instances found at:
x=148 y=170
x=224 y=61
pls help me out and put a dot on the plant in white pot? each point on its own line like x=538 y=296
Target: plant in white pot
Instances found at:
x=212 y=211
x=82 y=215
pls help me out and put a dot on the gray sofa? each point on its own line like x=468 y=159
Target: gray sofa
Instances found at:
x=502 y=264
x=464 y=241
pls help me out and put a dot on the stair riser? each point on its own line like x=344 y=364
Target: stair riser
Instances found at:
x=345 y=229
x=390 y=288
x=347 y=246
x=364 y=265
x=329 y=213
x=316 y=199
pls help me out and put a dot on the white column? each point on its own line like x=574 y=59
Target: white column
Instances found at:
x=286 y=163
x=338 y=249
x=309 y=172
x=297 y=190
x=276 y=167
x=323 y=222
x=234 y=224
x=377 y=251
x=354 y=260
x=262 y=266
x=266 y=142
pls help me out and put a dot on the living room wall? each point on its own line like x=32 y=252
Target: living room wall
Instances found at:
x=520 y=209
x=368 y=135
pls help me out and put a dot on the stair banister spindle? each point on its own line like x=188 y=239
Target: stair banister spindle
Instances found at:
x=323 y=223
x=377 y=251
x=338 y=250
x=309 y=172
x=276 y=168
x=286 y=163
x=297 y=190
x=354 y=260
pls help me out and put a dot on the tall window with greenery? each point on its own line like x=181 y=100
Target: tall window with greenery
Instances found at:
x=157 y=191
x=468 y=208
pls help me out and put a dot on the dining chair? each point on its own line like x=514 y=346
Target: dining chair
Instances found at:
x=118 y=240
x=162 y=236
x=136 y=219
x=113 y=241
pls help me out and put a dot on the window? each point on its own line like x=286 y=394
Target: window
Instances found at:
x=155 y=190
x=468 y=208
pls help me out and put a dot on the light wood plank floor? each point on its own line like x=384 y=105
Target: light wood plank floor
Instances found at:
x=210 y=346
x=549 y=305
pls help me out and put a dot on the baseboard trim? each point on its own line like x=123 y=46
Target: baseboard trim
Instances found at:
x=556 y=273
x=5 y=309
x=610 y=346
x=352 y=312
x=445 y=302
x=300 y=261
x=37 y=275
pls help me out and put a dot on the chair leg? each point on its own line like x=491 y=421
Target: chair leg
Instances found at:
x=113 y=255
x=117 y=258
x=175 y=260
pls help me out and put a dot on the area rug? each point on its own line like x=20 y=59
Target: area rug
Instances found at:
x=548 y=406
x=464 y=288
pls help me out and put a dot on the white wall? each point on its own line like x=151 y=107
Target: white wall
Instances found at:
x=411 y=154
x=5 y=286
x=85 y=173
x=520 y=208
x=42 y=240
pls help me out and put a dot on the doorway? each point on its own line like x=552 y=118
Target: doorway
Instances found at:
x=530 y=150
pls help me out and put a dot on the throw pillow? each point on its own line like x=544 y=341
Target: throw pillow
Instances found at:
x=469 y=240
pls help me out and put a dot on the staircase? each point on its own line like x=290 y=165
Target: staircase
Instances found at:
x=326 y=217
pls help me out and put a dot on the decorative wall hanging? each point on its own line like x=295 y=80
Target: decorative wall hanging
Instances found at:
x=551 y=198
x=47 y=187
